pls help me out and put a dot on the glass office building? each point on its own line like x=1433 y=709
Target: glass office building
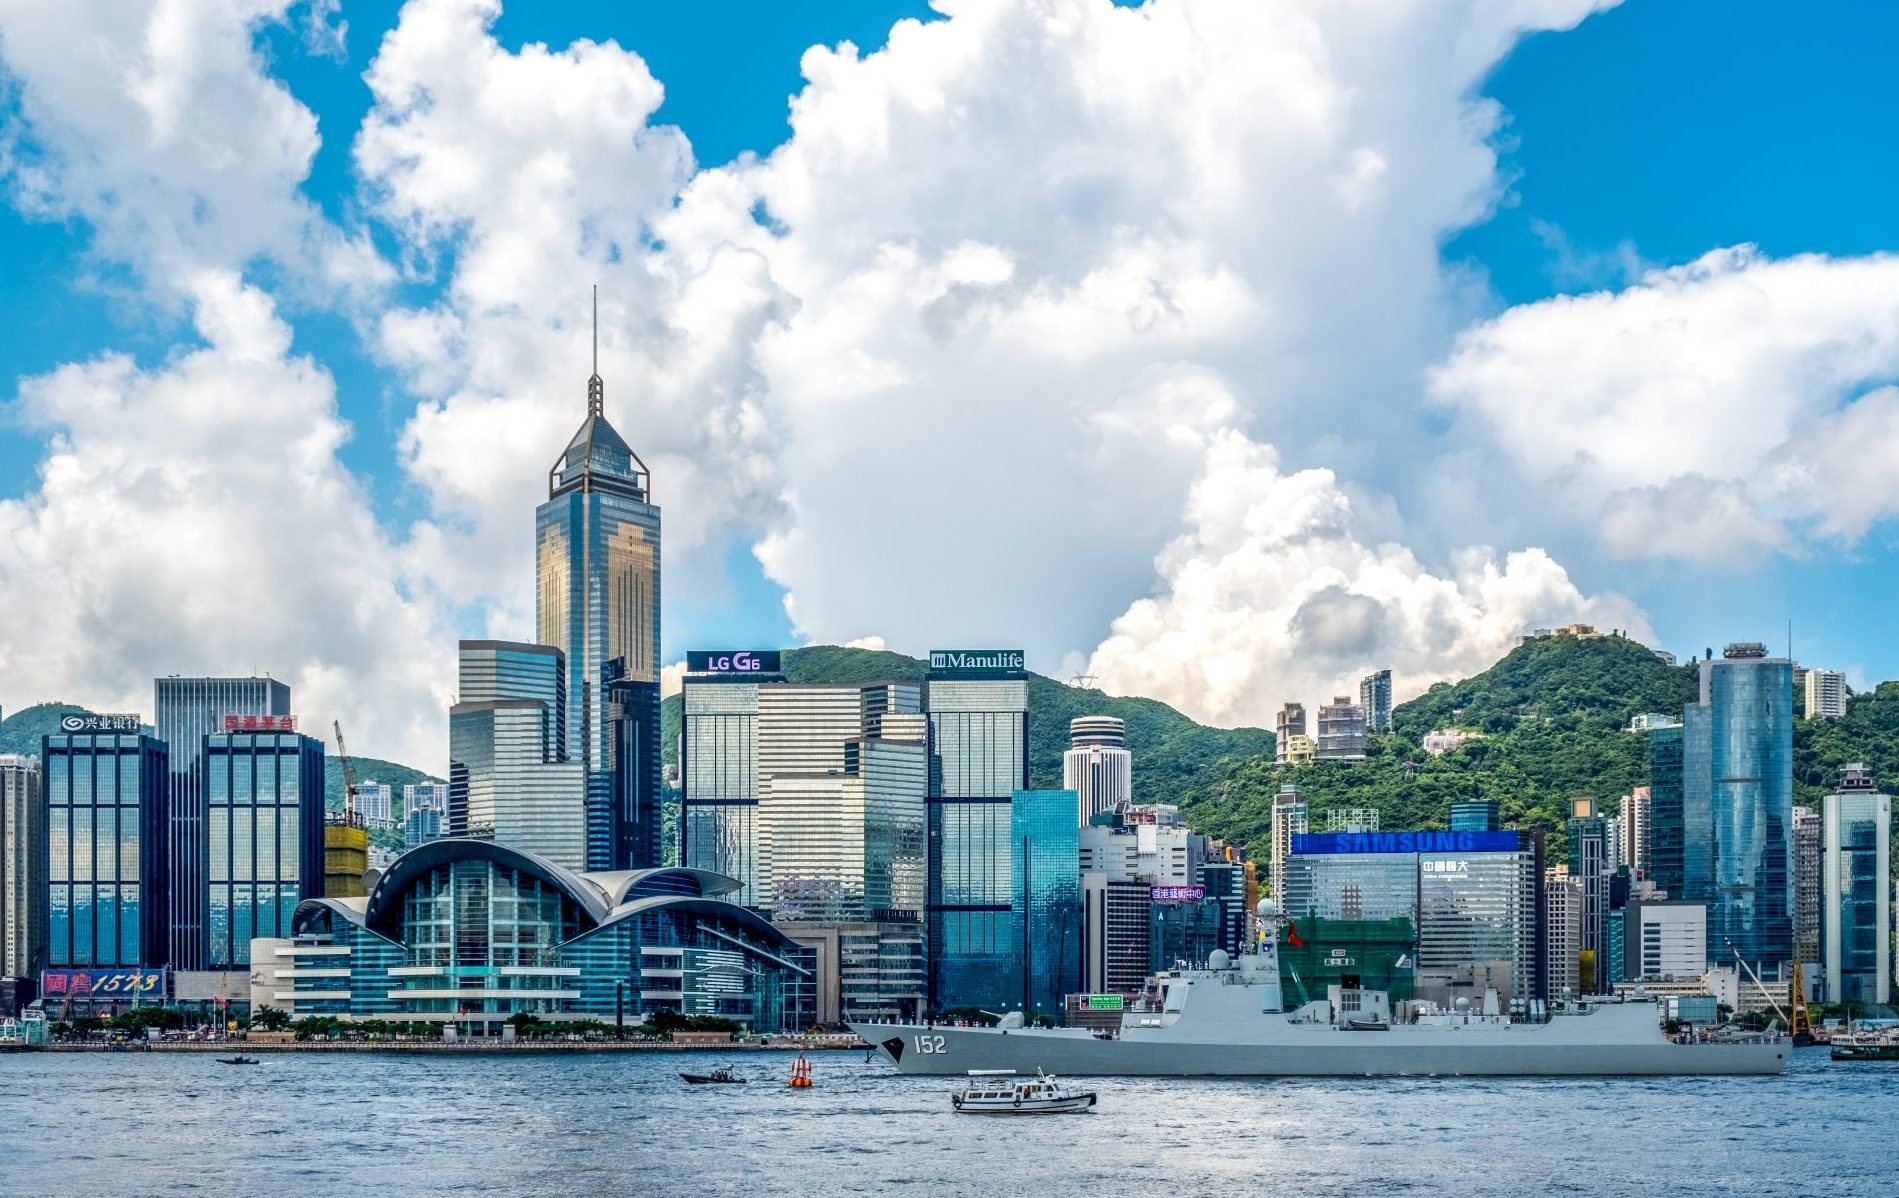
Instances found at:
x=1473 y=898
x=108 y=848
x=978 y=705
x=509 y=778
x=1737 y=788
x=1045 y=836
x=719 y=778
x=1665 y=829
x=185 y=712
x=597 y=598
x=469 y=933
x=848 y=846
x=264 y=835
x=1856 y=921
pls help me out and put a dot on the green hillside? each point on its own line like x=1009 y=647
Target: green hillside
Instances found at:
x=1554 y=714
x=21 y=731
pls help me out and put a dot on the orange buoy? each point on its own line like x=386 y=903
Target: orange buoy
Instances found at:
x=800 y=1074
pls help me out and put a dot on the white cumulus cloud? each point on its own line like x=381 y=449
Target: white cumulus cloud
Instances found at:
x=1712 y=411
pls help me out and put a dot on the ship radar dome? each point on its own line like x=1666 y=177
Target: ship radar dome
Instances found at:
x=1218 y=959
x=1267 y=909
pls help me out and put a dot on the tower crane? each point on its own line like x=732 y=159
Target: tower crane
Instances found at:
x=349 y=774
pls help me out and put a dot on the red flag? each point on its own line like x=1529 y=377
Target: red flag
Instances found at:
x=1292 y=935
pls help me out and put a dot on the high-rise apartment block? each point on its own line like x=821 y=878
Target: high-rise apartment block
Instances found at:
x=1290 y=818
x=23 y=858
x=1289 y=723
x=108 y=831
x=1341 y=730
x=186 y=711
x=1374 y=695
x=1809 y=828
x=1563 y=932
x=509 y=779
x=978 y=705
x=1857 y=921
x=1825 y=694
x=597 y=599
x=375 y=803
x=1097 y=765
x=264 y=837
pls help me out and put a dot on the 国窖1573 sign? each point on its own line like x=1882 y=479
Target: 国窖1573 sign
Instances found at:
x=950 y=661
x=732 y=661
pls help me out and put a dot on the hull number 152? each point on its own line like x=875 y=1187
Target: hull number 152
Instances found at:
x=929 y=1045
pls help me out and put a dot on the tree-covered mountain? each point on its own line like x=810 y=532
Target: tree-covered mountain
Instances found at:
x=21 y=731
x=1554 y=716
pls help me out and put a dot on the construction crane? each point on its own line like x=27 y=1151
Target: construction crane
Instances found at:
x=1799 y=1023
x=349 y=775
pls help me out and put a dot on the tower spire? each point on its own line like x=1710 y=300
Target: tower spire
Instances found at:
x=595 y=388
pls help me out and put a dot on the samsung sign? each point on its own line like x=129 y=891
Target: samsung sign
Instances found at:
x=99 y=723
x=732 y=661
x=1404 y=842
x=952 y=661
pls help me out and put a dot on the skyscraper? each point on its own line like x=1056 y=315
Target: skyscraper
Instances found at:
x=1665 y=809
x=1588 y=864
x=1737 y=800
x=1374 y=695
x=1046 y=900
x=264 y=832
x=509 y=778
x=1290 y=818
x=978 y=705
x=1562 y=932
x=1290 y=722
x=1476 y=815
x=1097 y=765
x=597 y=600
x=1809 y=889
x=719 y=777
x=22 y=868
x=185 y=711
x=108 y=847
x=1858 y=906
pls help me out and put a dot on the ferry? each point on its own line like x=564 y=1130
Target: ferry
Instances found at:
x=1001 y=1092
x=1227 y=1020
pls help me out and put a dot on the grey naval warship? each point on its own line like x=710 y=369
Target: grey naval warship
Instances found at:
x=1227 y=1020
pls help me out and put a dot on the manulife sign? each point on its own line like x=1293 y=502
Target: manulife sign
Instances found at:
x=951 y=661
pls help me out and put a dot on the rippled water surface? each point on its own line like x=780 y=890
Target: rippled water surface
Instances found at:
x=311 y=1124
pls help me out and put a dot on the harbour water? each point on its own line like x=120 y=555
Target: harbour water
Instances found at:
x=319 y=1124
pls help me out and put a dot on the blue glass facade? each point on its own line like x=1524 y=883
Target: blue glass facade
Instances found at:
x=1045 y=827
x=597 y=550
x=978 y=743
x=264 y=837
x=1476 y=817
x=107 y=850
x=1665 y=811
x=1697 y=809
x=470 y=932
x=1749 y=704
x=186 y=711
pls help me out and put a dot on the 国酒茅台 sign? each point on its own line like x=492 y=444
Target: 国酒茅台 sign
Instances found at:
x=951 y=661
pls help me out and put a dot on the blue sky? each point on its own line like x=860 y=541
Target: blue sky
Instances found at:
x=1642 y=139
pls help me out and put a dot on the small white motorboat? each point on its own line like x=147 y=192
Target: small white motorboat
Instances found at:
x=1001 y=1092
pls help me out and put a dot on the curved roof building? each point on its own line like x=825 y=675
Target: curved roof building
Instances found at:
x=472 y=932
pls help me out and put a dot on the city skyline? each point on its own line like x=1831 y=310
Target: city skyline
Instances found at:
x=1265 y=501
